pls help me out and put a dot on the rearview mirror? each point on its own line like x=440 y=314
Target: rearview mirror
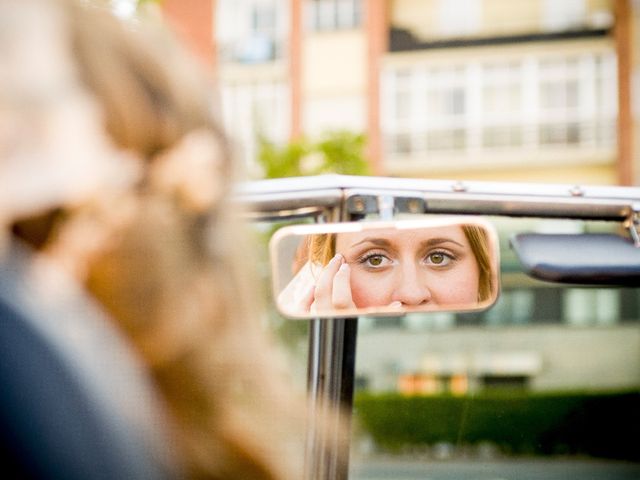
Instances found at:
x=385 y=268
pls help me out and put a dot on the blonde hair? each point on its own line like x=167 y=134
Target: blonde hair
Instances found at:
x=318 y=248
x=177 y=276
x=479 y=242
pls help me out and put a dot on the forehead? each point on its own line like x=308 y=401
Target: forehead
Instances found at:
x=401 y=238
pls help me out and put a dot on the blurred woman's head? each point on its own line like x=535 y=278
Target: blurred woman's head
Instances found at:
x=49 y=119
x=110 y=94
x=169 y=263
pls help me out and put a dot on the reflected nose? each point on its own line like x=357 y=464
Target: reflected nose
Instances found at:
x=412 y=288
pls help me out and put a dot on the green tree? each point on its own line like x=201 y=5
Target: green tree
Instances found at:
x=337 y=151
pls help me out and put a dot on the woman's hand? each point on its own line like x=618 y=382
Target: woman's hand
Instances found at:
x=318 y=289
x=333 y=288
x=322 y=289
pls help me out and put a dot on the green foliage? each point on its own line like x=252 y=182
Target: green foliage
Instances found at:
x=285 y=161
x=517 y=422
x=336 y=152
x=142 y=3
x=343 y=152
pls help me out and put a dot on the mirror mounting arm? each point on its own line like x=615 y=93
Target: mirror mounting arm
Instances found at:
x=386 y=206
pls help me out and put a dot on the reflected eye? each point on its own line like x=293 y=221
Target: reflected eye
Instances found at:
x=439 y=259
x=374 y=260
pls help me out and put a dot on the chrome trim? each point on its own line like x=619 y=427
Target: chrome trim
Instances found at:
x=311 y=196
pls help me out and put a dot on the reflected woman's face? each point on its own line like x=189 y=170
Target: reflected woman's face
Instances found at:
x=414 y=267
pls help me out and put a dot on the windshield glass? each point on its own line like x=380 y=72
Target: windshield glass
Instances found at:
x=544 y=383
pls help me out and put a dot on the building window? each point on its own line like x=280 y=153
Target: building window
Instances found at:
x=536 y=103
x=403 y=104
x=591 y=306
x=446 y=140
x=502 y=104
x=254 y=110
x=334 y=14
x=560 y=102
x=513 y=307
x=403 y=143
x=629 y=305
x=251 y=31
x=446 y=101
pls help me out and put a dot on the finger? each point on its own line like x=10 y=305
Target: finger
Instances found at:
x=307 y=299
x=341 y=295
x=324 y=285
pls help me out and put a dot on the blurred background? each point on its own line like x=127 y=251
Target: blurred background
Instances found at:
x=534 y=90
x=499 y=90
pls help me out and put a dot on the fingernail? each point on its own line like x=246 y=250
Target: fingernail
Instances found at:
x=344 y=267
x=395 y=304
x=336 y=258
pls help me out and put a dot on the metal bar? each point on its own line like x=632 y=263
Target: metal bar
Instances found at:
x=287 y=198
x=321 y=449
x=343 y=369
x=324 y=452
x=330 y=383
x=331 y=395
x=293 y=201
x=349 y=332
x=460 y=203
x=333 y=448
x=323 y=183
x=313 y=397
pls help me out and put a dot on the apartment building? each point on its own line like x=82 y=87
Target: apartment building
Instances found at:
x=534 y=90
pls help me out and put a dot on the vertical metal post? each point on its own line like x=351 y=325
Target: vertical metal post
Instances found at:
x=332 y=344
x=330 y=382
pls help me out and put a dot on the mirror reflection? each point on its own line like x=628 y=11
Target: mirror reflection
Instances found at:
x=385 y=268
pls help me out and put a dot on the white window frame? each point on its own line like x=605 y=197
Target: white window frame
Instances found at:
x=251 y=110
x=328 y=15
x=592 y=118
x=236 y=34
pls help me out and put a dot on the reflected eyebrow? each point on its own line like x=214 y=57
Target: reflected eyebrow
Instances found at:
x=432 y=242
x=383 y=242
x=380 y=242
